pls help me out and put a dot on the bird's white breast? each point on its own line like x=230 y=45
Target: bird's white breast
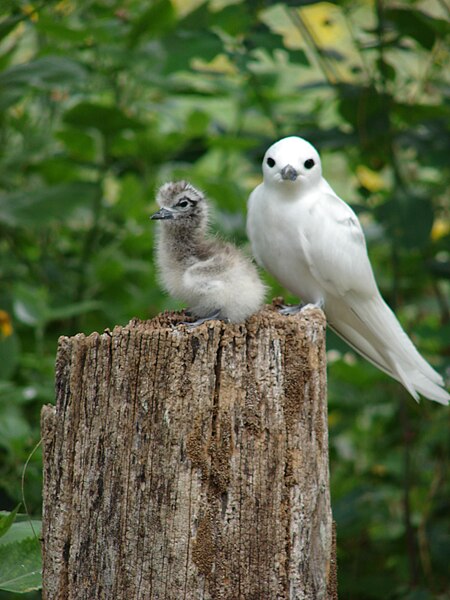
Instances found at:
x=279 y=229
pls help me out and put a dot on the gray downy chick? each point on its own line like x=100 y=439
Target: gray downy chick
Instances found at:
x=214 y=278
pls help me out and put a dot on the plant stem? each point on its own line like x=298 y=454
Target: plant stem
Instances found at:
x=410 y=541
x=411 y=546
x=324 y=64
x=442 y=302
x=87 y=250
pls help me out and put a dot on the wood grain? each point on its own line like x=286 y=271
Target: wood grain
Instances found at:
x=190 y=463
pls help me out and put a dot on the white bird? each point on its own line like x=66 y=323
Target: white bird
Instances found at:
x=312 y=242
x=213 y=277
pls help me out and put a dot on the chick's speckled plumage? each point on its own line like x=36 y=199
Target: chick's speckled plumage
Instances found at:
x=207 y=273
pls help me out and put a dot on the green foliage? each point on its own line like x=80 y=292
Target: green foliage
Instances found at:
x=100 y=102
x=7 y=519
x=20 y=553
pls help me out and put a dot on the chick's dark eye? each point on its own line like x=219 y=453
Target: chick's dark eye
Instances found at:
x=308 y=164
x=183 y=203
x=270 y=162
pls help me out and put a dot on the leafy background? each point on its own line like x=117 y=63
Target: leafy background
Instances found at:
x=101 y=101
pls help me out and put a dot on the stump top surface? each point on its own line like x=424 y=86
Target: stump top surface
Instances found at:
x=172 y=322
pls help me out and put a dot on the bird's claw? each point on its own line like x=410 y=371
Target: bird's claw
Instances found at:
x=212 y=316
x=294 y=309
x=290 y=309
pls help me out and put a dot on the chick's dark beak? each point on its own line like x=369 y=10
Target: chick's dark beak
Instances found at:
x=163 y=213
x=289 y=173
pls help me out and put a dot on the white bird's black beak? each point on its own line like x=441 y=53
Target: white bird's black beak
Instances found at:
x=163 y=213
x=288 y=173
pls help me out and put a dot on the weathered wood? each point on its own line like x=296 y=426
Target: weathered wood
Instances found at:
x=191 y=464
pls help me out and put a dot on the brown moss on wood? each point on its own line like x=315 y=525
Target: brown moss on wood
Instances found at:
x=203 y=545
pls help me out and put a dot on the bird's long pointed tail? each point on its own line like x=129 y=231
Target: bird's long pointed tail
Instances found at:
x=372 y=329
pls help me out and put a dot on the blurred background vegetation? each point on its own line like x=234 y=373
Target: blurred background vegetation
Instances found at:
x=101 y=101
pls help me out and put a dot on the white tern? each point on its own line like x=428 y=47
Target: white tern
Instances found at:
x=312 y=242
x=213 y=277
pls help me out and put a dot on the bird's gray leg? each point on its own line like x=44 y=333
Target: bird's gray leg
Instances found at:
x=296 y=308
x=214 y=315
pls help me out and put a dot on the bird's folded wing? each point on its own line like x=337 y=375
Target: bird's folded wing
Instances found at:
x=335 y=249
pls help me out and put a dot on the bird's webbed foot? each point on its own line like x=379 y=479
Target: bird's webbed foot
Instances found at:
x=209 y=317
x=293 y=309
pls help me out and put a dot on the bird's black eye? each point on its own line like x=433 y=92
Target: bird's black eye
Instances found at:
x=184 y=202
x=308 y=164
x=270 y=162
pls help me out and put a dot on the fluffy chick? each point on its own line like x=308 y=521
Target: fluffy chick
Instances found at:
x=213 y=277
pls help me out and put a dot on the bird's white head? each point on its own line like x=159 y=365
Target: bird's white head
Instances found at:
x=292 y=162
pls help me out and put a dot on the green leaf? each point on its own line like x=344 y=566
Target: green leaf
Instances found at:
x=9 y=355
x=107 y=119
x=72 y=310
x=14 y=429
x=261 y=36
x=183 y=46
x=48 y=26
x=58 y=169
x=44 y=205
x=7 y=519
x=21 y=566
x=30 y=304
x=367 y=111
x=31 y=307
x=198 y=19
x=441 y=268
x=8 y=24
x=157 y=19
x=418 y=25
x=414 y=113
x=197 y=123
x=11 y=393
x=298 y=57
x=408 y=218
x=24 y=528
x=48 y=71
x=234 y=19
x=9 y=96
x=79 y=144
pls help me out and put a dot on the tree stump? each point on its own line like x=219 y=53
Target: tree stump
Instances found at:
x=190 y=463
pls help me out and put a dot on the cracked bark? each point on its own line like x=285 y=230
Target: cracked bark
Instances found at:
x=190 y=463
